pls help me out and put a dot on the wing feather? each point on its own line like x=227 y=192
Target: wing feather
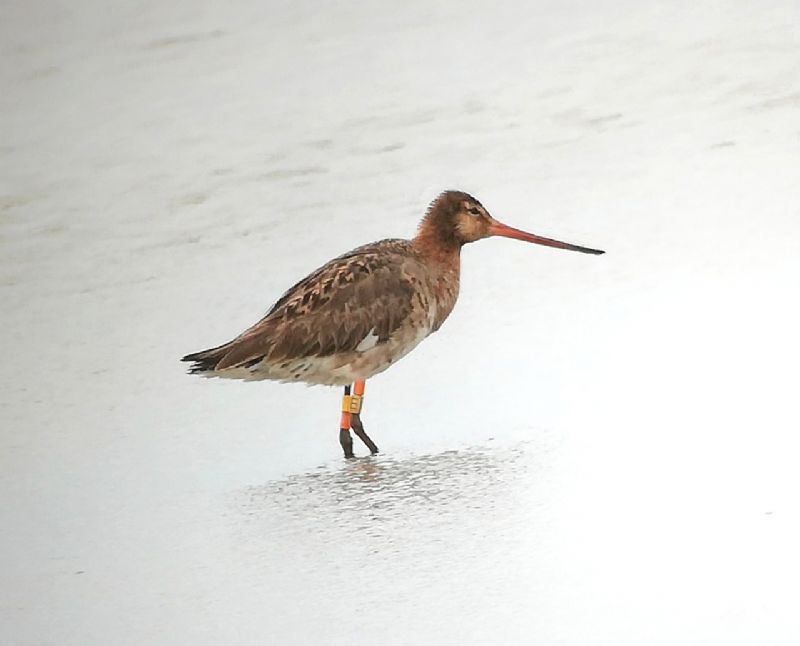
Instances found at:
x=331 y=311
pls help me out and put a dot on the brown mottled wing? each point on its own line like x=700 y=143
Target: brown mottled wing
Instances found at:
x=368 y=290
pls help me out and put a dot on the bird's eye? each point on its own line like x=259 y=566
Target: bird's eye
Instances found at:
x=473 y=211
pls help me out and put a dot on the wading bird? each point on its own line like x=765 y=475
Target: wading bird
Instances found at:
x=356 y=315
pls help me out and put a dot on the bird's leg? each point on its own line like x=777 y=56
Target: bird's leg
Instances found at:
x=344 y=426
x=355 y=416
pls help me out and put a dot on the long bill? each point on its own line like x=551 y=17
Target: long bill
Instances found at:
x=500 y=229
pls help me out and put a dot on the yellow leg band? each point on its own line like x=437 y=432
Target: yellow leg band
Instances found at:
x=351 y=404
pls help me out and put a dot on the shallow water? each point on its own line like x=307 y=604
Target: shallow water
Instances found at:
x=593 y=450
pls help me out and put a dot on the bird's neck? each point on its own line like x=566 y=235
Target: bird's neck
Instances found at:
x=437 y=244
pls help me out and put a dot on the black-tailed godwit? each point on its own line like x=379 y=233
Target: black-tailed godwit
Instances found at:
x=358 y=314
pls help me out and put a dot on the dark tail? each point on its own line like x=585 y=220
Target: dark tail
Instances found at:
x=206 y=360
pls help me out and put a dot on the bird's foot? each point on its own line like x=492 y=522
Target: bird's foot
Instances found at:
x=358 y=429
x=347 y=442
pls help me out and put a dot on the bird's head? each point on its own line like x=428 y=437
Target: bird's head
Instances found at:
x=456 y=218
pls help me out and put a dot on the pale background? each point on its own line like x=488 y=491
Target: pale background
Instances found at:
x=593 y=450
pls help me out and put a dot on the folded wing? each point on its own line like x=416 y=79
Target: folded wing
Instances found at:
x=366 y=293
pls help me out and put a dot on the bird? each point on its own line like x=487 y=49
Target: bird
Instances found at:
x=361 y=312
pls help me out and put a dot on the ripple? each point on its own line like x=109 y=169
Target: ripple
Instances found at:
x=379 y=496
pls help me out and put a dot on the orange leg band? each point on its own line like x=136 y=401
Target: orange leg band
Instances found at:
x=351 y=404
x=358 y=387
